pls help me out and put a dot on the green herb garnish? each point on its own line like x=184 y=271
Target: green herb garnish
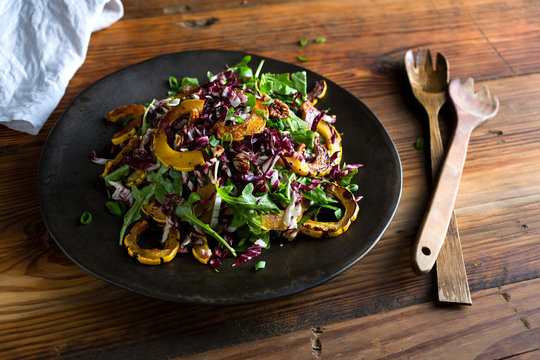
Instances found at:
x=116 y=208
x=419 y=143
x=260 y=265
x=86 y=218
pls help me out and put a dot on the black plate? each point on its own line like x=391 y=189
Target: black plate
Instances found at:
x=69 y=184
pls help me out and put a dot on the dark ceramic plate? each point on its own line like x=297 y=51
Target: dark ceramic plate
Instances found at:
x=69 y=184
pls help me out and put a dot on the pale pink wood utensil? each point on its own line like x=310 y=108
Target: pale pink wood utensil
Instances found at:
x=472 y=110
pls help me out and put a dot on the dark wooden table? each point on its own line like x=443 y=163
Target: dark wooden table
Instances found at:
x=50 y=308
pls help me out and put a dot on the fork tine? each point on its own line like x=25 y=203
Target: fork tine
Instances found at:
x=429 y=62
x=484 y=94
x=469 y=85
x=418 y=58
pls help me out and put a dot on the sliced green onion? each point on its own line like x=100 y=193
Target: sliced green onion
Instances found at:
x=259 y=68
x=86 y=218
x=303 y=42
x=260 y=265
x=419 y=143
x=173 y=83
x=301 y=58
x=320 y=40
x=227 y=140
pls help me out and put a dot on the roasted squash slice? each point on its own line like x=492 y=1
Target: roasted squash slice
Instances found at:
x=253 y=125
x=208 y=194
x=317 y=92
x=320 y=166
x=152 y=209
x=114 y=163
x=276 y=221
x=327 y=131
x=133 y=112
x=126 y=111
x=178 y=160
x=199 y=248
x=320 y=229
x=151 y=256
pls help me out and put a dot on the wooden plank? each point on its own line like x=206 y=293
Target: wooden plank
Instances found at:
x=51 y=307
x=503 y=324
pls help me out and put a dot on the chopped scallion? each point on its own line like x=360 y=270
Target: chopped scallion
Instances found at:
x=86 y=218
x=260 y=265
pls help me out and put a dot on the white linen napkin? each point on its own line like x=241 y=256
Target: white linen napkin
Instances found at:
x=42 y=44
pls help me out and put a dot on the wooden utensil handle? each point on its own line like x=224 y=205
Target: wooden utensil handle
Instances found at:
x=435 y=224
x=435 y=143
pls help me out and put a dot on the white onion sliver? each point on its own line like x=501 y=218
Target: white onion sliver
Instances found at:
x=215 y=211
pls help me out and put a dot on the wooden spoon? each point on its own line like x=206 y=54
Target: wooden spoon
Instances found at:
x=430 y=86
x=472 y=110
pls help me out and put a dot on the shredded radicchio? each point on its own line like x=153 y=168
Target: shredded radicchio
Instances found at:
x=253 y=251
x=97 y=160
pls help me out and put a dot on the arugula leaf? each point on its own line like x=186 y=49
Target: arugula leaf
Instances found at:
x=247 y=200
x=142 y=197
x=117 y=174
x=185 y=212
x=346 y=180
x=213 y=141
x=284 y=190
x=116 y=207
x=242 y=70
x=250 y=218
x=297 y=128
x=251 y=102
x=189 y=81
x=299 y=80
x=153 y=176
x=277 y=83
x=319 y=197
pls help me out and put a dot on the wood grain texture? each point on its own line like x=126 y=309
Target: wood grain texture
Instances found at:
x=51 y=308
x=503 y=324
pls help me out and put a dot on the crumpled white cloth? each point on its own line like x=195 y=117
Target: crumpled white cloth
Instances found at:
x=42 y=44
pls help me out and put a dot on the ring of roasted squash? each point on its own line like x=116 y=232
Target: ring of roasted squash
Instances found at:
x=319 y=229
x=151 y=256
x=178 y=160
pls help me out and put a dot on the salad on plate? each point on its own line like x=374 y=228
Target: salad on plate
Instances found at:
x=227 y=167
